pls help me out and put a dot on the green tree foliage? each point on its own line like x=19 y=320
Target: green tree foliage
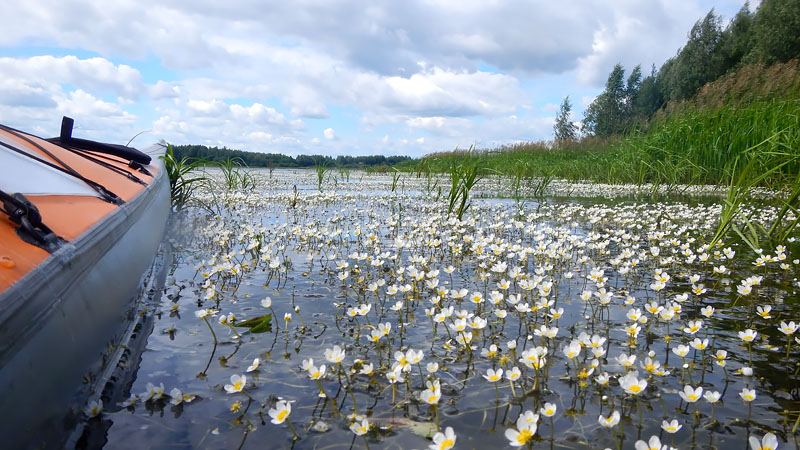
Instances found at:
x=632 y=91
x=565 y=129
x=736 y=42
x=650 y=97
x=698 y=62
x=612 y=112
x=776 y=31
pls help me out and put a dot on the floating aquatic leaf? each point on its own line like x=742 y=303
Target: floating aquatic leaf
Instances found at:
x=260 y=324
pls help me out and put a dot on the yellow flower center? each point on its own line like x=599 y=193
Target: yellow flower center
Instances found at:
x=238 y=386
x=635 y=388
x=447 y=443
x=524 y=436
x=282 y=415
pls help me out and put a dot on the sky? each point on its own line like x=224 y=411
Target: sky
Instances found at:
x=332 y=77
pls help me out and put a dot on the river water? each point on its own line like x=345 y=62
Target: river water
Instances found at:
x=620 y=284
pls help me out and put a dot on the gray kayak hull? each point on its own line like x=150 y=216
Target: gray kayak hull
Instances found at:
x=62 y=322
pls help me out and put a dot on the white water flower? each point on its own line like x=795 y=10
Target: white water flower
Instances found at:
x=610 y=421
x=690 y=394
x=237 y=384
x=768 y=442
x=94 y=408
x=443 y=441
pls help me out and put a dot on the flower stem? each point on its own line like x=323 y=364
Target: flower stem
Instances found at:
x=211 y=329
x=294 y=434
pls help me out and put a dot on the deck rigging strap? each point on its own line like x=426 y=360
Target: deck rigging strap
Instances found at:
x=30 y=227
x=105 y=194
x=97 y=160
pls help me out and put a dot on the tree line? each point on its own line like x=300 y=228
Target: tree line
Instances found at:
x=768 y=35
x=254 y=159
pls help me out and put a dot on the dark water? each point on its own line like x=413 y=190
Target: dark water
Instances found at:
x=310 y=234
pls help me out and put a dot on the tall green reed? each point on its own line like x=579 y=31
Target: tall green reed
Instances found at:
x=235 y=174
x=182 y=180
x=747 y=172
x=321 y=169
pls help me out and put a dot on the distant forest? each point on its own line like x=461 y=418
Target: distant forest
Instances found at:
x=253 y=159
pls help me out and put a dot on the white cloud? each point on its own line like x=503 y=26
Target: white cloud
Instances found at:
x=216 y=123
x=206 y=107
x=443 y=126
x=162 y=90
x=91 y=74
x=637 y=33
x=22 y=93
x=242 y=73
x=329 y=134
x=435 y=93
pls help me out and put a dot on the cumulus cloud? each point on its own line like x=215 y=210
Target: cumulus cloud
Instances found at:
x=329 y=134
x=163 y=90
x=444 y=126
x=91 y=74
x=244 y=73
x=216 y=123
x=388 y=39
x=637 y=33
x=23 y=93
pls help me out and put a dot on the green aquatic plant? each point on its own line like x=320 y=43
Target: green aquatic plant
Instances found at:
x=540 y=184
x=519 y=171
x=472 y=170
x=466 y=169
x=344 y=172
x=260 y=324
x=455 y=183
x=395 y=178
x=743 y=178
x=235 y=174
x=321 y=169
x=183 y=178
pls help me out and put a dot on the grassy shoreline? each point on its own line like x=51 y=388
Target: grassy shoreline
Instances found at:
x=698 y=146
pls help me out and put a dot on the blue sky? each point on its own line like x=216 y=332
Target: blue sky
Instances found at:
x=324 y=76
